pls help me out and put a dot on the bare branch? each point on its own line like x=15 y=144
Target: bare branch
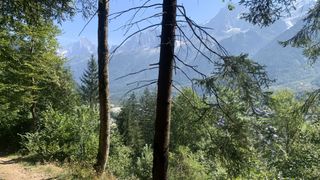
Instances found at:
x=141 y=81
x=88 y=22
x=184 y=73
x=139 y=87
x=128 y=26
x=194 y=46
x=138 y=8
x=134 y=73
x=191 y=67
x=131 y=35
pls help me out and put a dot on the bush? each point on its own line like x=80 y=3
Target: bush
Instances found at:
x=144 y=163
x=185 y=164
x=71 y=136
x=120 y=160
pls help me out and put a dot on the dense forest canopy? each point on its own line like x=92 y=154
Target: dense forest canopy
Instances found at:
x=226 y=123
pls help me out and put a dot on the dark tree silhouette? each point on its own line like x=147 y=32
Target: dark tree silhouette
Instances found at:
x=162 y=123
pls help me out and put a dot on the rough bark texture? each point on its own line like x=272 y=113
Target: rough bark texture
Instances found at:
x=162 y=123
x=103 y=63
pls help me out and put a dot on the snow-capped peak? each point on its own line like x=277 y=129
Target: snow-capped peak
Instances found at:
x=81 y=47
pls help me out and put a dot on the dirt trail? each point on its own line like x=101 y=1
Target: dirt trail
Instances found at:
x=11 y=168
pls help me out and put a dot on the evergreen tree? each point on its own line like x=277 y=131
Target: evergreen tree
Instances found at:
x=147 y=114
x=90 y=87
x=129 y=125
x=136 y=120
x=186 y=112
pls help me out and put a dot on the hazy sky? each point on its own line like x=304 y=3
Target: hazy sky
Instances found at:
x=199 y=10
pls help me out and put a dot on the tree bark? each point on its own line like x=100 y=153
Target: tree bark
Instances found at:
x=163 y=111
x=103 y=63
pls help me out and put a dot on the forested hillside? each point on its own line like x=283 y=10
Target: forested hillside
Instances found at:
x=234 y=98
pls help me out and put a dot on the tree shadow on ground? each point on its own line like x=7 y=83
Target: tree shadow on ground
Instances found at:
x=29 y=160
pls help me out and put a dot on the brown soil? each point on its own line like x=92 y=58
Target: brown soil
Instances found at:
x=13 y=168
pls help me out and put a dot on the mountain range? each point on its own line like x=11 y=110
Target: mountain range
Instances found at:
x=286 y=65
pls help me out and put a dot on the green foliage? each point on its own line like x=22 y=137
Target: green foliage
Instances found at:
x=64 y=136
x=229 y=141
x=73 y=138
x=135 y=121
x=289 y=151
x=144 y=163
x=185 y=164
x=89 y=88
x=136 y=127
x=187 y=117
x=292 y=152
x=32 y=78
x=147 y=115
x=120 y=162
x=266 y=12
x=33 y=11
x=234 y=90
x=307 y=38
x=128 y=123
x=240 y=74
x=231 y=136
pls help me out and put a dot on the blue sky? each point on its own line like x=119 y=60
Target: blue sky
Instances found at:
x=199 y=10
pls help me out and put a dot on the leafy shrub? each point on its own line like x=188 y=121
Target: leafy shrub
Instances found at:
x=71 y=136
x=188 y=165
x=120 y=160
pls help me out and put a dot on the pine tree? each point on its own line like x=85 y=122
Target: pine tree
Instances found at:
x=129 y=123
x=147 y=106
x=89 y=88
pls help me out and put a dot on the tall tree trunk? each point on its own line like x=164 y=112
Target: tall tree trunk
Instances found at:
x=163 y=111
x=103 y=63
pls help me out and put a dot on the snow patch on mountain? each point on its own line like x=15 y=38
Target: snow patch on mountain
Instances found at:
x=62 y=52
x=233 y=31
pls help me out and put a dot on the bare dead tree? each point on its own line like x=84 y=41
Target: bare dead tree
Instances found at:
x=167 y=62
x=163 y=108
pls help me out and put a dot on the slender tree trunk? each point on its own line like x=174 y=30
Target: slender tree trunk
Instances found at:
x=33 y=107
x=163 y=111
x=103 y=63
x=34 y=116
